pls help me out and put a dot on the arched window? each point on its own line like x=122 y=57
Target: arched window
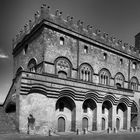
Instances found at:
x=19 y=70
x=86 y=72
x=119 y=80
x=85 y=49
x=61 y=40
x=63 y=67
x=134 y=65
x=104 y=77
x=32 y=65
x=134 y=83
x=105 y=56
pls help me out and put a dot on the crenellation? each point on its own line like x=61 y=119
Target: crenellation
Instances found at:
x=17 y=37
x=31 y=24
x=126 y=45
x=123 y=47
x=69 y=23
x=70 y=20
x=80 y=27
x=57 y=13
x=98 y=32
x=36 y=17
x=113 y=39
x=105 y=36
x=90 y=29
x=119 y=42
x=45 y=12
x=26 y=28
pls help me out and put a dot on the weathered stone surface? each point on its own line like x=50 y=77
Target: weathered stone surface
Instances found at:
x=71 y=66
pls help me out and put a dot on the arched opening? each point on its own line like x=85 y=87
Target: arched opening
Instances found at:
x=32 y=65
x=122 y=113
x=134 y=83
x=134 y=115
x=85 y=72
x=62 y=74
x=11 y=107
x=107 y=111
x=118 y=123
x=85 y=123
x=103 y=123
x=19 y=71
x=104 y=77
x=90 y=107
x=118 y=85
x=63 y=67
x=61 y=124
x=119 y=80
x=66 y=106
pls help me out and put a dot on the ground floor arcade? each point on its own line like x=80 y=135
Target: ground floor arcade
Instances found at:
x=65 y=113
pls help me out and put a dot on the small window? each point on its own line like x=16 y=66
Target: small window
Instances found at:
x=134 y=66
x=121 y=61
x=25 y=49
x=85 y=49
x=61 y=40
x=105 y=56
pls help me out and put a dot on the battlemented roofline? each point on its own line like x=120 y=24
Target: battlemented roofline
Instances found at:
x=68 y=23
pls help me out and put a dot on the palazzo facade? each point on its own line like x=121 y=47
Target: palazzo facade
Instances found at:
x=69 y=77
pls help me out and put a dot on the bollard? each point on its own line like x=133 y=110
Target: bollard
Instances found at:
x=108 y=130
x=49 y=132
x=85 y=131
x=77 y=132
x=115 y=130
x=131 y=129
x=135 y=129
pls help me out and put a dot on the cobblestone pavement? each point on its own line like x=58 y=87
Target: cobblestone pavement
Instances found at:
x=118 y=136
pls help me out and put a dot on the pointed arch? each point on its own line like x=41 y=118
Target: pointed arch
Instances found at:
x=63 y=67
x=67 y=92
x=104 y=76
x=19 y=70
x=94 y=96
x=112 y=98
x=85 y=72
x=65 y=105
x=126 y=100
x=119 y=80
x=134 y=83
x=32 y=65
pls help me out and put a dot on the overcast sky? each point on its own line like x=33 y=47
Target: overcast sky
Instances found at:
x=119 y=18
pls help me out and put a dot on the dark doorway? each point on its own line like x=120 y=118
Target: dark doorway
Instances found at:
x=61 y=124
x=66 y=103
x=118 y=123
x=123 y=108
x=103 y=123
x=90 y=105
x=85 y=123
x=108 y=107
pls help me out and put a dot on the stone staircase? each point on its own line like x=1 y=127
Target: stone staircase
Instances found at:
x=7 y=123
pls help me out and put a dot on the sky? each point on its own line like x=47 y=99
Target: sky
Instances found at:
x=118 y=18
